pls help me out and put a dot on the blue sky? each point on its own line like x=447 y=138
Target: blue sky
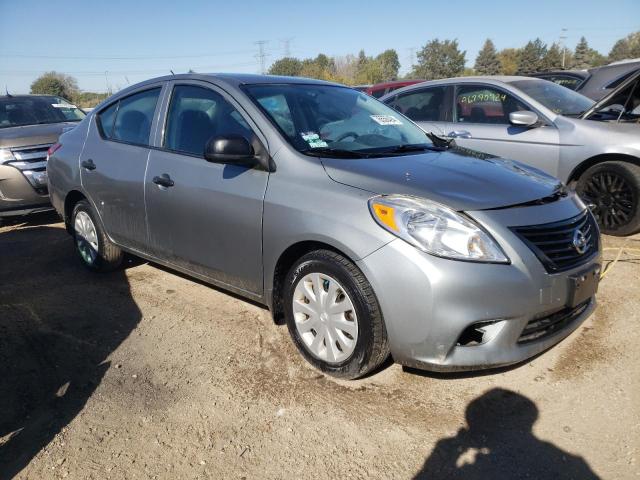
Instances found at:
x=138 y=39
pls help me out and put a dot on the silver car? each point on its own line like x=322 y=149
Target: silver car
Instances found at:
x=593 y=147
x=337 y=213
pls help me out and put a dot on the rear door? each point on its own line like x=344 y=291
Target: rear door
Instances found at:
x=481 y=122
x=209 y=221
x=113 y=164
x=429 y=107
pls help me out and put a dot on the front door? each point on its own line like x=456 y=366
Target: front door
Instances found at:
x=113 y=164
x=202 y=216
x=481 y=122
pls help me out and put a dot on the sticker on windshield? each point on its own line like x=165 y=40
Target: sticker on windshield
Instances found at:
x=386 y=120
x=314 y=140
x=63 y=105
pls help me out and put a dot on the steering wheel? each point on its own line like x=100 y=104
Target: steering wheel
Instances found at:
x=346 y=135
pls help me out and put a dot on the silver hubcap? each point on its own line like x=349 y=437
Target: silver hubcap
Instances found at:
x=86 y=237
x=325 y=318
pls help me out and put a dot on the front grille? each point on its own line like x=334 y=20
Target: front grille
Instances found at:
x=555 y=243
x=539 y=328
x=32 y=158
x=32 y=162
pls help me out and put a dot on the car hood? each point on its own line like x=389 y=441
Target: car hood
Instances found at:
x=459 y=178
x=27 y=135
x=612 y=97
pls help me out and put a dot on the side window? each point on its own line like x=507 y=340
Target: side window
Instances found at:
x=134 y=117
x=423 y=105
x=106 y=118
x=195 y=115
x=480 y=104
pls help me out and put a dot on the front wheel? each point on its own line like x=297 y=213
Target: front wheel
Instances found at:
x=95 y=249
x=612 y=191
x=333 y=315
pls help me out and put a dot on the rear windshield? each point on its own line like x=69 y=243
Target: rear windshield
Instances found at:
x=559 y=99
x=19 y=111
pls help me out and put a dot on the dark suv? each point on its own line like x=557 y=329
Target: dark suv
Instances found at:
x=29 y=125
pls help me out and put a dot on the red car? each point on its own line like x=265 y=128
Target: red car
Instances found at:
x=380 y=89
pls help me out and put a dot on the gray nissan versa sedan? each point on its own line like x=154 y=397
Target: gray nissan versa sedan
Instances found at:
x=336 y=212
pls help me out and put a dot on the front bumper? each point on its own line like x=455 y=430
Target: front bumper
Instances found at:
x=18 y=196
x=429 y=302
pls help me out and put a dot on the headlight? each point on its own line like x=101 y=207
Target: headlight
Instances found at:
x=435 y=229
x=6 y=155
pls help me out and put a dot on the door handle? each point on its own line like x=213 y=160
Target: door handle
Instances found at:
x=459 y=134
x=164 y=180
x=88 y=164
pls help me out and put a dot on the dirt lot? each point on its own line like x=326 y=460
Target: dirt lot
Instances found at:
x=146 y=374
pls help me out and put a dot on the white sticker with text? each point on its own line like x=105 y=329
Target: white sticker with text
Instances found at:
x=386 y=120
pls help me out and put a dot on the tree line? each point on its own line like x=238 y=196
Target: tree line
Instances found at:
x=436 y=59
x=443 y=58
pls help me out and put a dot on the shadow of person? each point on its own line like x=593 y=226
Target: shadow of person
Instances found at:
x=58 y=325
x=499 y=443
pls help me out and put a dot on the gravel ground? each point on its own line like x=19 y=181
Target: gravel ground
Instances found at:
x=144 y=373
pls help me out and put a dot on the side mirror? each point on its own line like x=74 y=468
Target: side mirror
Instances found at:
x=523 y=118
x=230 y=149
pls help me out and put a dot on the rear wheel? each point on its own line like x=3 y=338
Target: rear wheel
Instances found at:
x=333 y=315
x=612 y=190
x=95 y=249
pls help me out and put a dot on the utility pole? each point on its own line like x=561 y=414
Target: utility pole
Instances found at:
x=261 y=55
x=286 y=46
x=563 y=37
x=412 y=57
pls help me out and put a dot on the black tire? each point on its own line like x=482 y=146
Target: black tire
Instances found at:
x=371 y=348
x=613 y=188
x=108 y=256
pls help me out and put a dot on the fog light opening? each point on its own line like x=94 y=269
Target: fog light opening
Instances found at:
x=479 y=333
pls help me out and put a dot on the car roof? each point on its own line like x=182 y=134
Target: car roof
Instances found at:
x=25 y=95
x=575 y=73
x=235 y=79
x=489 y=79
x=395 y=82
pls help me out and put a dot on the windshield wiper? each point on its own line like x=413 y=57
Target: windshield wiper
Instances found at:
x=335 y=152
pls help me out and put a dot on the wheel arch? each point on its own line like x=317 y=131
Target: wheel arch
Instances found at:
x=601 y=158
x=70 y=201
x=284 y=263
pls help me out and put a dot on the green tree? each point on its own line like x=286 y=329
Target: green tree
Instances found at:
x=531 y=57
x=509 y=59
x=389 y=64
x=54 y=83
x=553 y=58
x=288 y=66
x=627 y=47
x=582 y=54
x=439 y=60
x=487 y=61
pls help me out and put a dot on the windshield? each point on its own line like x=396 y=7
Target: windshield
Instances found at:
x=333 y=119
x=19 y=111
x=559 y=99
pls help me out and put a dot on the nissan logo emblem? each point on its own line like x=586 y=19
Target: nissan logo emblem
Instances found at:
x=579 y=242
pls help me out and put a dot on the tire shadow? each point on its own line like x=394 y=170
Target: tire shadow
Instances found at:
x=58 y=325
